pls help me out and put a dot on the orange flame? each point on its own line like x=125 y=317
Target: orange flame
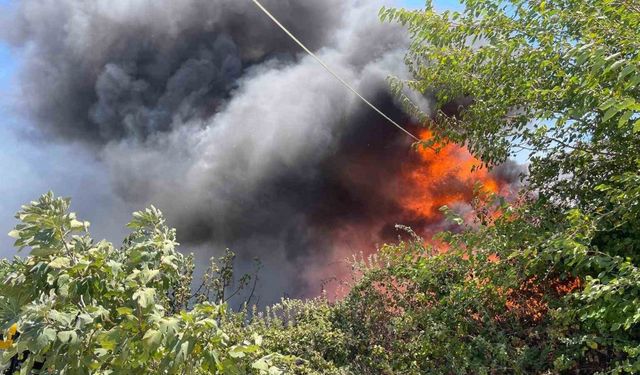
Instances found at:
x=416 y=186
x=442 y=178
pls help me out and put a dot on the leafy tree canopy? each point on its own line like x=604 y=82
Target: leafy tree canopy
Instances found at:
x=560 y=79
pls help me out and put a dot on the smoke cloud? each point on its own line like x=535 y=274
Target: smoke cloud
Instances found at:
x=205 y=109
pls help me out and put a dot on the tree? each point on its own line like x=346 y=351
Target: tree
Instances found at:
x=85 y=307
x=561 y=79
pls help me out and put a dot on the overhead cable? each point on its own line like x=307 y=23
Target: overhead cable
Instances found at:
x=333 y=73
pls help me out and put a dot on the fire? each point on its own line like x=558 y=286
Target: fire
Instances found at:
x=440 y=178
x=396 y=185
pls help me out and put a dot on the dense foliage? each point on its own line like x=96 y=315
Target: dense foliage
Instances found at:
x=87 y=307
x=546 y=283
x=560 y=79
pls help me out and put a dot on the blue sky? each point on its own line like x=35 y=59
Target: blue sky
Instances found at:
x=29 y=169
x=439 y=4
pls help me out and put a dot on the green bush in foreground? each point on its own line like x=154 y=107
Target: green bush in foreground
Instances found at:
x=86 y=307
x=513 y=294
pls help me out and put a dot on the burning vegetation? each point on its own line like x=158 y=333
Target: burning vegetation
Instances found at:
x=381 y=183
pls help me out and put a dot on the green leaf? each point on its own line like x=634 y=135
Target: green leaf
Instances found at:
x=610 y=113
x=169 y=326
x=68 y=337
x=60 y=262
x=152 y=338
x=146 y=275
x=260 y=365
x=626 y=71
x=257 y=339
x=145 y=297
x=615 y=65
x=108 y=340
x=47 y=336
x=237 y=352
x=62 y=283
x=124 y=310
x=78 y=225
x=183 y=352
x=43 y=252
x=622 y=121
x=607 y=104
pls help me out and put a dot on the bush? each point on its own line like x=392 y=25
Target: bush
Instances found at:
x=87 y=307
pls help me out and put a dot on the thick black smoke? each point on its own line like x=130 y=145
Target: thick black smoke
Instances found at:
x=207 y=110
x=109 y=70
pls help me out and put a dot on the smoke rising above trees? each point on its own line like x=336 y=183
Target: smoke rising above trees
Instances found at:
x=207 y=110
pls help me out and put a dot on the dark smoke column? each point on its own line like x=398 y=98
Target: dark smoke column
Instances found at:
x=207 y=110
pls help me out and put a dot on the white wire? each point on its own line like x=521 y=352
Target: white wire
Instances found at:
x=331 y=71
